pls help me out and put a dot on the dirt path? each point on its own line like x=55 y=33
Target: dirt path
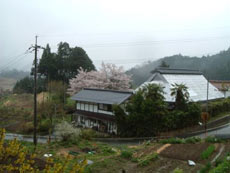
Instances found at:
x=162 y=148
x=218 y=154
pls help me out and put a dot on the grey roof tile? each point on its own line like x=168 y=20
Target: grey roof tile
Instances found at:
x=101 y=96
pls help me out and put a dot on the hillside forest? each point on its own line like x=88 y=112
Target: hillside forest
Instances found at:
x=214 y=67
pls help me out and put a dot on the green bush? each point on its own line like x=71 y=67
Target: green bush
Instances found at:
x=212 y=139
x=218 y=161
x=44 y=125
x=208 y=152
x=28 y=127
x=107 y=150
x=223 y=167
x=87 y=134
x=172 y=141
x=126 y=154
x=192 y=140
x=219 y=106
x=148 y=159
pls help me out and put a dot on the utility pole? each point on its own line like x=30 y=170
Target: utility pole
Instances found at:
x=35 y=91
x=207 y=115
x=35 y=49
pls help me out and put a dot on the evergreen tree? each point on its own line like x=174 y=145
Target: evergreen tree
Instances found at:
x=64 y=64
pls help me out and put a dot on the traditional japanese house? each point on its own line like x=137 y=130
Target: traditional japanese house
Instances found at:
x=94 y=108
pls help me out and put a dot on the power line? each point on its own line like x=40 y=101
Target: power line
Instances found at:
x=151 y=42
x=146 y=43
x=13 y=61
x=131 y=32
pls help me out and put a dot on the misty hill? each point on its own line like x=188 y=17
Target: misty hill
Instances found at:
x=215 y=67
x=14 y=74
x=8 y=78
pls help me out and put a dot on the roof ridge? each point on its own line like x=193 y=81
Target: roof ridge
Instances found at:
x=162 y=68
x=176 y=71
x=108 y=90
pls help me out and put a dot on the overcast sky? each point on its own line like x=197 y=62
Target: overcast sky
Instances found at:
x=124 y=32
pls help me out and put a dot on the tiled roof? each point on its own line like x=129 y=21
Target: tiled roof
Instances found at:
x=102 y=96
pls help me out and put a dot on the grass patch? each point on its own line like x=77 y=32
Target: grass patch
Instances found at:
x=126 y=154
x=208 y=152
x=148 y=159
x=178 y=170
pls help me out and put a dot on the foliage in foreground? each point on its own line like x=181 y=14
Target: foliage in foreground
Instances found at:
x=15 y=158
x=208 y=152
x=126 y=154
x=147 y=160
x=223 y=167
x=178 y=170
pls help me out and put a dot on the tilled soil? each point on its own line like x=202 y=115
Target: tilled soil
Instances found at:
x=185 y=151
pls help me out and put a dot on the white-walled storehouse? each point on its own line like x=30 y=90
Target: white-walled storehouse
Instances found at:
x=94 y=108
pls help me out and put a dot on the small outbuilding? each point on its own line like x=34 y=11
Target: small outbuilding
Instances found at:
x=223 y=86
x=94 y=108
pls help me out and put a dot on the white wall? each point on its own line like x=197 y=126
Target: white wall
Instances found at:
x=91 y=108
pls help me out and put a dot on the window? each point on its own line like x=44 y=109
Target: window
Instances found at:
x=105 y=107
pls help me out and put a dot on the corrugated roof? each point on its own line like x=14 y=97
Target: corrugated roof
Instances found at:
x=176 y=71
x=197 y=86
x=101 y=96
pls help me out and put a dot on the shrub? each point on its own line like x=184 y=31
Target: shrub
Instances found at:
x=126 y=154
x=107 y=150
x=66 y=131
x=28 y=127
x=212 y=139
x=208 y=152
x=172 y=141
x=146 y=161
x=87 y=134
x=219 y=106
x=44 y=125
x=222 y=167
x=192 y=140
x=218 y=161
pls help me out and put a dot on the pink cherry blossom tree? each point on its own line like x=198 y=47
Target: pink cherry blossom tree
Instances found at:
x=109 y=76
